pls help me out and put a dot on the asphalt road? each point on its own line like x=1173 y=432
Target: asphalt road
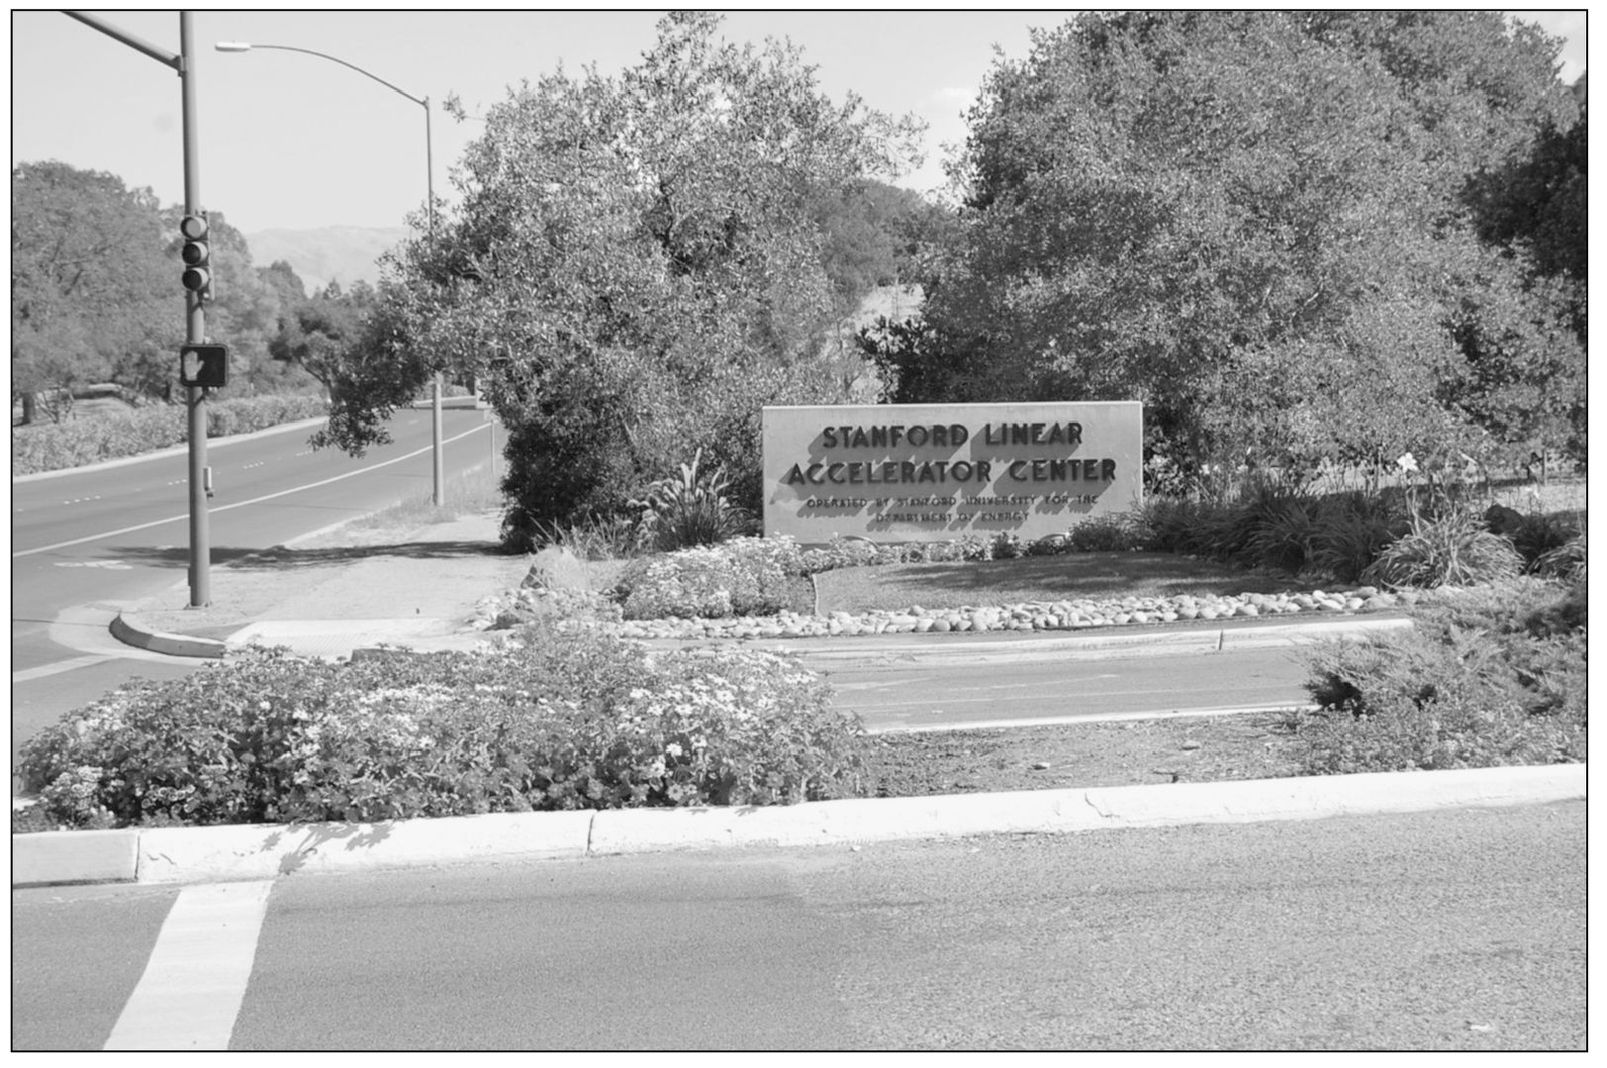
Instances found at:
x=82 y=539
x=1461 y=930
x=936 y=686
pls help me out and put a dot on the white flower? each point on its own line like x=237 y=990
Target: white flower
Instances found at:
x=1407 y=462
x=673 y=750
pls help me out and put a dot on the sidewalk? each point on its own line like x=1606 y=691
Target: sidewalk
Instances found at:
x=338 y=590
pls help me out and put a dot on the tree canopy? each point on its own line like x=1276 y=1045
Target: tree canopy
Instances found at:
x=637 y=266
x=1258 y=223
x=95 y=294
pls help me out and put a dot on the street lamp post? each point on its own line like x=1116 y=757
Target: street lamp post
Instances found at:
x=429 y=178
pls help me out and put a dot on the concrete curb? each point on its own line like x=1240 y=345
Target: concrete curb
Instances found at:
x=221 y=854
x=1162 y=640
x=131 y=631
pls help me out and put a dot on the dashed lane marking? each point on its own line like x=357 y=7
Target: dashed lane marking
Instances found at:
x=195 y=980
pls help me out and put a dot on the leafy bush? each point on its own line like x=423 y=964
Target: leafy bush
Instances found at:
x=1536 y=535
x=1107 y=534
x=1452 y=549
x=86 y=441
x=572 y=720
x=1171 y=524
x=1487 y=677
x=1566 y=561
x=691 y=509
x=744 y=576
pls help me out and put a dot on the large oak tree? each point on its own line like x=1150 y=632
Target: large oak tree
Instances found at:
x=1259 y=224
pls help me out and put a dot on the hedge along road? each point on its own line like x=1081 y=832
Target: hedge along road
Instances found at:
x=120 y=531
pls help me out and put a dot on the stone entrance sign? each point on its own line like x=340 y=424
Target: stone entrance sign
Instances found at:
x=932 y=472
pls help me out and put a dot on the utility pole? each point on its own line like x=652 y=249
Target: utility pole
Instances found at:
x=194 y=312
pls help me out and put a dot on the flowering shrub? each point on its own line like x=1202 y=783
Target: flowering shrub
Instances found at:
x=85 y=441
x=743 y=576
x=568 y=720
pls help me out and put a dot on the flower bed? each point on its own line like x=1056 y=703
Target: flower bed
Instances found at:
x=558 y=720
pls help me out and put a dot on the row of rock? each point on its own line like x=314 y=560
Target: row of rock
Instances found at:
x=1035 y=616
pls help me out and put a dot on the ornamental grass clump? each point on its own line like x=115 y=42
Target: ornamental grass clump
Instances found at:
x=1454 y=548
x=690 y=509
x=565 y=720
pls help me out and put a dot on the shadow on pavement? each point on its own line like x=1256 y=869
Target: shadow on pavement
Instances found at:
x=281 y=558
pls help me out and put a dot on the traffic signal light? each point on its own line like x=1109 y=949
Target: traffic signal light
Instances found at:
x=196 y=256
x=204 y=365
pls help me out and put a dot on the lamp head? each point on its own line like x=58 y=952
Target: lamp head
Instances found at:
x=233 y=46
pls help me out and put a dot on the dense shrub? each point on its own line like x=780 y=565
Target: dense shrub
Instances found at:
x=1350 y=530
x=54 y=447
x=1537 y=535
x=1108 y=534
x=1566 y=562
x=1170 y=524
x=1487 y=677
x=571 y=720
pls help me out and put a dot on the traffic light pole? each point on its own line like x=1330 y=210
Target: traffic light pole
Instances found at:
x=195 y=334
x=194 y=313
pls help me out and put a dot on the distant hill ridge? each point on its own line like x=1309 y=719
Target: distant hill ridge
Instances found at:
x=344 y=254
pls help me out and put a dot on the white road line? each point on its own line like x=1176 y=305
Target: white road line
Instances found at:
x=241 y=504
x=196 y=977
x=45 y=670
x=1100 y=717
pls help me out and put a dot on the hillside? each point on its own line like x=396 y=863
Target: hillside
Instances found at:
x=347 y=254
x=898 y=302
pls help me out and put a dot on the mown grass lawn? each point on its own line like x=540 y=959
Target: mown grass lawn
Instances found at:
x=1069 y=576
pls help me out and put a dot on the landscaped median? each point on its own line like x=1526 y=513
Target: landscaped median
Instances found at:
x=381 y=754
x=216 y=854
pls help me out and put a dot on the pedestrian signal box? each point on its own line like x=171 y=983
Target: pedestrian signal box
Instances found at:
x=204 y=365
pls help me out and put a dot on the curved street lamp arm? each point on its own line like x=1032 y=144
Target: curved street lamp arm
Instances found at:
x=334 y=59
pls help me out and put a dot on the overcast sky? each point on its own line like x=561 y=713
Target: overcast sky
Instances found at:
x=293 y=141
